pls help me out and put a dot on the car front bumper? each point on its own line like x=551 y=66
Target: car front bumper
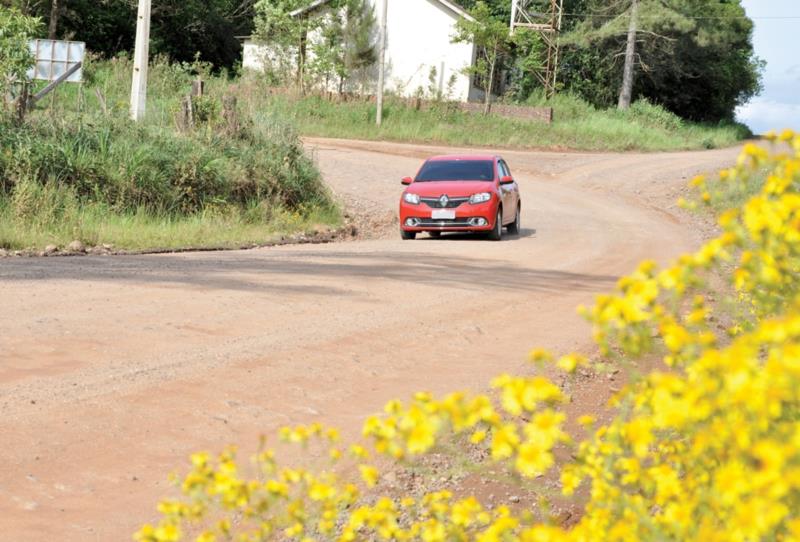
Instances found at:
x=418 y=218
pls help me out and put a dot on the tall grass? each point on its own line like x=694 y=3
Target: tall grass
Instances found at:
x=83 y=171
x=577 y=125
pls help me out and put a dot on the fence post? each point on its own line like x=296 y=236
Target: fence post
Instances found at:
x=186 y=119
x=198 y=87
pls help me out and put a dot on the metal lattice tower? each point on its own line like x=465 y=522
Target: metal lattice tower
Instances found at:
x=544 y=17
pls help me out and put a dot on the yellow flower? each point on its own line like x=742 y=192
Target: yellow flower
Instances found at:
x=638 y=433
x=478 y=437
x=587 y=421
x=533 y=459
x=504 y=441
x=570 y=362
x=369 y=474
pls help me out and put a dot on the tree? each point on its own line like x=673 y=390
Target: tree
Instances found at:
x=527 y=57
x=491 y=37
x=16 y=30
x=360 y=36
x=626 y=91
x=181 y=29
x=52 y=29
x=636 y=20
x=285 y=34
x=340 y=39
x=693 y=56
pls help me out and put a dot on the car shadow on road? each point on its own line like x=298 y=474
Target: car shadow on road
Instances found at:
x=317 y=272
x=457 y=236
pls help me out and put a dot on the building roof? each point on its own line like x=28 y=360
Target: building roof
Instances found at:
x=452 y=6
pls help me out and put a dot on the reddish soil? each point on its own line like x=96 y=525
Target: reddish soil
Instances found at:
x=114 y=369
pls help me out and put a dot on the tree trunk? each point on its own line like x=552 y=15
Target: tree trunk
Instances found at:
x=53 y=28
x=487 y=106
x=626 y=92
x=301 y=60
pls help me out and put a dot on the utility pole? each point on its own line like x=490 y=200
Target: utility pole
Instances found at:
x=141 y=57
x=626 y=92
x=382 y=62
x=526 y=14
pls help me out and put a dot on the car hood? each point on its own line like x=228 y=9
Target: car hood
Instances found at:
x=451 y=188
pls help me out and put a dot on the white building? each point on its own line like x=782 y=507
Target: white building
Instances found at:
x=419 y=40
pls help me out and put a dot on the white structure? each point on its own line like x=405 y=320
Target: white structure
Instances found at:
x=419 y=40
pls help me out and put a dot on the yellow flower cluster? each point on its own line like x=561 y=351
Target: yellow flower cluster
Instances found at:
x=706 y=449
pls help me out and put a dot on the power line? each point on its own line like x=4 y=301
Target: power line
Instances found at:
x=711 y=17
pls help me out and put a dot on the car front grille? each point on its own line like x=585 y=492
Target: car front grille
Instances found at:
x=452 y=203
x=431 y=223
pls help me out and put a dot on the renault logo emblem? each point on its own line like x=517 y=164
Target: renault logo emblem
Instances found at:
x=443 y=201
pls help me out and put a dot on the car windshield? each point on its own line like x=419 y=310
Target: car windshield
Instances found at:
x=456 y=170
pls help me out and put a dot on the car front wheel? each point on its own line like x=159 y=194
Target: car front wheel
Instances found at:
x=408 y=235
x=497 y=232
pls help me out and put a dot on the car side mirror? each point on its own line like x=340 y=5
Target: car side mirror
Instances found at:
x=407 y=180
x=508 y=179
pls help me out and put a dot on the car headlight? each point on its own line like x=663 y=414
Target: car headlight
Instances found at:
x=413 y=199
x=482 y=197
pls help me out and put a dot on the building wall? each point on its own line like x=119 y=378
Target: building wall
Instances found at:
x=419 y=36
x=252 y=57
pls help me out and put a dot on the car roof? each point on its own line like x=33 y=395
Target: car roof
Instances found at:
x=464 y=157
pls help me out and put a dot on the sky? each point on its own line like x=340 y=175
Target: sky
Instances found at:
x=776 y=40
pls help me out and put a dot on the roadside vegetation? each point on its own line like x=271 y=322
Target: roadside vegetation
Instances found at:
x=577 y=126
x=78 y=169
x=703 y=447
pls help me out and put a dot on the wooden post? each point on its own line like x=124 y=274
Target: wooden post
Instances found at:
x=141 y=57
x=186 y=118
x=198 y=88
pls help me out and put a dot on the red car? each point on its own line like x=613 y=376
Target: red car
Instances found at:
x=461 y=193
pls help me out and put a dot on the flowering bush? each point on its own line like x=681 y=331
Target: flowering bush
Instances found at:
x=708 y=448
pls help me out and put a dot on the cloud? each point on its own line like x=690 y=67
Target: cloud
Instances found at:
x=762 y=115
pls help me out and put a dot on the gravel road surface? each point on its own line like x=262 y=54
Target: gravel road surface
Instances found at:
x=114 y=369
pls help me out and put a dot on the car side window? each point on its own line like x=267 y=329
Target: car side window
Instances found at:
x=504 y=171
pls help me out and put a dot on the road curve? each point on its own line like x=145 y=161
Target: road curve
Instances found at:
x=114 y=369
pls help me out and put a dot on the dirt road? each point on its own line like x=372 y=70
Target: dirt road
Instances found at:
x=114 y=369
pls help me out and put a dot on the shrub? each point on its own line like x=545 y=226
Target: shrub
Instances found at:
x=652 y=115
x=129 y=166
x=15 y=57
x=705 y=448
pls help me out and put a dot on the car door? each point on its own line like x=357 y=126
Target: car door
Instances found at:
x=510 y=193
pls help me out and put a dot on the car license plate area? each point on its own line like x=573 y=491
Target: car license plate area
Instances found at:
x=443 y=214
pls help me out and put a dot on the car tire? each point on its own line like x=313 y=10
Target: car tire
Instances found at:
x=497 y=232
x=516 y=226
x=435 y=234
x=408 y=235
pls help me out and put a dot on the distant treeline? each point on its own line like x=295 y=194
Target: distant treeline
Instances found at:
x=694 y=57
